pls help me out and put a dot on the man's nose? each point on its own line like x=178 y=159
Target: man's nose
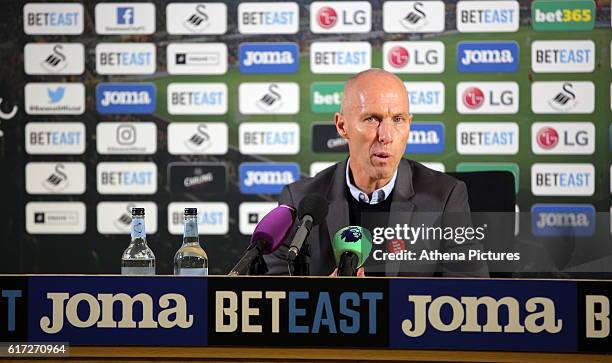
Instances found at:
x=385 y=132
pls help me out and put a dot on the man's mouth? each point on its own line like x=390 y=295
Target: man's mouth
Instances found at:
x=382 y=155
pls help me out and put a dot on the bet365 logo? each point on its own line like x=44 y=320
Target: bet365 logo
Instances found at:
x=563 y=15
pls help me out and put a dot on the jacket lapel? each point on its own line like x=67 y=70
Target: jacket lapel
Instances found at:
x=338 y=214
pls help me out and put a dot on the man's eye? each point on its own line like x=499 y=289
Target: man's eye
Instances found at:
x=398 y=119
x=371 y=119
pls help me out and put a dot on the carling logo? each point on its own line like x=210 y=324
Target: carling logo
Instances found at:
x=197 y=98
x=126 y=178
x=116 y=217
x=487 y=16
x=487 y=97
x=196 y=18
x=55 y=178
x=562 y=220
x=190 y=138
x=340 y=57
x=53 y=18
x=54 y=58
x=268 y=18
x=340 y=17
x=121 y=98
x=196 y=58
x=55 y=217
x=125 y=18
x=279 y=98
x=55 y=138
x=413 y=57
x=268 y=58
x=563 y=56
x=484 y=57
x=426 y=138
x=425 y=97
x=54 y=98
x=267 y=178
x=562 y=179
x=413 y=16
x=494 y=138
x=125 y=58
x=250 y=213
x=563 y=138
x=197 y=178
x=269 y=138
x=325 y=138
x=133 y=138
x=213 y=217
x=563 y=97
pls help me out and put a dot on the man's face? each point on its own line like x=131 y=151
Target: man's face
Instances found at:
x=376 y=123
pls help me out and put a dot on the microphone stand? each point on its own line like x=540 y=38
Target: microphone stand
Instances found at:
x=301 y=264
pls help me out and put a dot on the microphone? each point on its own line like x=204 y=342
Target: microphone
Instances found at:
x=267 y=237
x=311 y=211
x=352 y=246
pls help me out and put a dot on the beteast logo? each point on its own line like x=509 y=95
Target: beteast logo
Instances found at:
x=269 y=138
x=125 y=58
x=426 y=138
x=487 y=97
x=484 y=57
x=495 y=138
x=250 y=213
x=325 y=138
x=562 y=220
x=340 y=17
x=54 y=58
x=197 y=178
x=425 y=97
x=563 y=15
x=64 y=312
x=279 y=98
x=59 y=138
x=562 y=179
x=268 y=58
x=126 y=178
x=196 y=18
x=195 y=58
x=487 y=16
x=340 y=57
x=208 y=138
x=427 y=315
x=413 y=57
x=267 y=178
x=563 y=56
x=563 y=138
x=213 y=217
x=54 y=98
x=55 y=217
x=137 y=138
x=197 y=98
x=413 y=16
x=116 y=217
x=55 y=178
x=563 y=97
x=50 y=18
x=125 y=18
x=268 y=18
x=134 y=98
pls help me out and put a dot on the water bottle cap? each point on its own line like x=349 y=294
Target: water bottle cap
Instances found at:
x=191 y=211
x=138 y=211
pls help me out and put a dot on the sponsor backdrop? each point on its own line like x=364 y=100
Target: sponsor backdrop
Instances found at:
x=110 y=105
x=512 y=315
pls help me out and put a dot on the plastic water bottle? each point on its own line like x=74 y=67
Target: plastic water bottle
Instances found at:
x=191 y=259
x=138 y=259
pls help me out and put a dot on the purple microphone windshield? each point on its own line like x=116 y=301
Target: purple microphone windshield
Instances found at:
x=274 y=227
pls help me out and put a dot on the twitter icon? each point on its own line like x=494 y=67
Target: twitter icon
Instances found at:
x=56 y=95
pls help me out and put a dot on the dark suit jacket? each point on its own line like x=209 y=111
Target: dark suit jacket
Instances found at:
x=417 y=189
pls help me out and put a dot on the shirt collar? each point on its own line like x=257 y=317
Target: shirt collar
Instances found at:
x=378 y=196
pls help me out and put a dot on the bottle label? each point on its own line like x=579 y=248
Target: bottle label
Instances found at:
x=191 y=228
x=193 y=271
x=138 y=228
x=138 y=270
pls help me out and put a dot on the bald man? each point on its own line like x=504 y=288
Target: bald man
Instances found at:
x=377 y=181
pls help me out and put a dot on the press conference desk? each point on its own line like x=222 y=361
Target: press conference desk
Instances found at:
x=166 y=318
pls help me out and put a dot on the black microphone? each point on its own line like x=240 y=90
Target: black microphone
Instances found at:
x=311 y=211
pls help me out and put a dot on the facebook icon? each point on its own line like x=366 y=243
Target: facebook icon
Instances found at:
x=125 y=15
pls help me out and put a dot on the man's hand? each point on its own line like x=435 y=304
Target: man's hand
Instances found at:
x=360 y=272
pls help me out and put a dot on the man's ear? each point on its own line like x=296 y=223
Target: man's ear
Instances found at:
x=341 y=125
